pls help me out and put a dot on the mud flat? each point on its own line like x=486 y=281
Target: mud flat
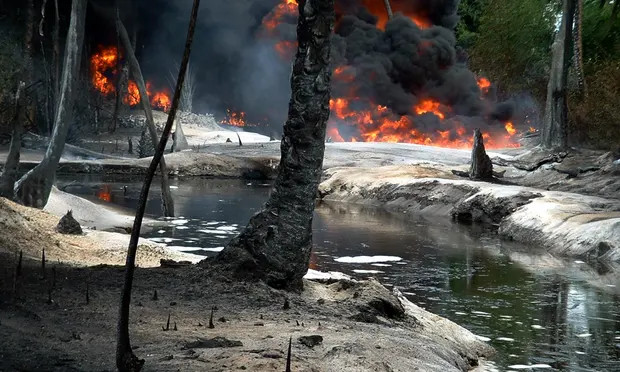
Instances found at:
x=48 y=321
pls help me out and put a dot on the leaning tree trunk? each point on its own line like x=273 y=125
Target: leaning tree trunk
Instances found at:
x=34 y=188
x=555 y=123
x=166 y=196
x=481 y=167
x=388 y=8
x=126 y=360
x=275 y=245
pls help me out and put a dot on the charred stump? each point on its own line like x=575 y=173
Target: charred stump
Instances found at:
x=481 y=166
x=69 y=225
x=275 y=245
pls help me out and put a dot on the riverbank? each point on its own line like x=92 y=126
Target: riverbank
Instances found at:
x=562 y=223
x=65 y=316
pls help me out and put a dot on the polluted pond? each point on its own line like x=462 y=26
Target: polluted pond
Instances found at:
x=537 y=311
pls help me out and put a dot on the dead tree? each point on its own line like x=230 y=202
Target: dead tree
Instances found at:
x=166 y=196
x=481 y=166
x=126 y=360
x=275 y=245
x=555 y=122
x=34 y=188
x=388 y=8
x=180 y=142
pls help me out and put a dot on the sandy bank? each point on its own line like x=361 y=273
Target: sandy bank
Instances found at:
x=563 y=223
x=31 y=230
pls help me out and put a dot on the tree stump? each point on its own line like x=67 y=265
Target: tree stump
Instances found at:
x=69 y=225
x=481 y=166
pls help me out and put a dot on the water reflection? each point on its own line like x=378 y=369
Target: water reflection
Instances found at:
x=534 y=308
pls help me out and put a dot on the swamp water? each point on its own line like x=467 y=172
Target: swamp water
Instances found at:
x=539 y=312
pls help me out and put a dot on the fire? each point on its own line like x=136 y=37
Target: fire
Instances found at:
x=510 y=128
x=286 y=49
x=484 y=84
x=105 y=193
x=132 y=97
x=377 y=8
x=103 y=70
x=429 y=105
x=277 y=15
x=236 y=119
x=379 y=124
x=103 y=64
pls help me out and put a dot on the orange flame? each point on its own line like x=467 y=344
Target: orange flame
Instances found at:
x=236 y=119
x=105 y=193
x=285 y=8
x=286 y=49
x=102 y=64
x=103 y=69
x=510 y=128
x=378 y=124
x=484 y=84
x=428 y=105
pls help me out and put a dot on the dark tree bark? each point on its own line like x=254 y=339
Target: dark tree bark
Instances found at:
x=125 y=358
x=166 y=196
x=275 y=245
x=481 y=166
x=578 y=49
x=555 y=124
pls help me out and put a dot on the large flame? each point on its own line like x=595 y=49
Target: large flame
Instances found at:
x=103 y=66
x=234 y=118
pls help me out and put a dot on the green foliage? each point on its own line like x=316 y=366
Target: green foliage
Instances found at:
x=601 y=35
x=513 y=44
x=470 y=12
x=595 y=119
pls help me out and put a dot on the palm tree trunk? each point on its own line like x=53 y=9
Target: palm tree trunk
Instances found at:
x=555 y=123
x=275 y=245
x=166 y=196
x=125 y=358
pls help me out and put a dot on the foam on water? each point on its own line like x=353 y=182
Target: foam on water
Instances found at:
x=367 y=259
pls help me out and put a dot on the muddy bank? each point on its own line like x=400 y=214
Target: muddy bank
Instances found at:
x=562 y=223
x=49 y=323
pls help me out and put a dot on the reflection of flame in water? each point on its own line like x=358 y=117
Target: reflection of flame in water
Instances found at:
x=103 y=69
x=105 y=193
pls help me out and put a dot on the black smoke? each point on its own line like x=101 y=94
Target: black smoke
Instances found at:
x=238 y=67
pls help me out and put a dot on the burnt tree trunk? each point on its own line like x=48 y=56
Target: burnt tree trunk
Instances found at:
x=126 y=360
x=166 y=196
x=578 y=48
x=388 y=8
x=555 y=122
x=275 y=245
x=481 y=166
x=34 y=188
x=56 y=55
